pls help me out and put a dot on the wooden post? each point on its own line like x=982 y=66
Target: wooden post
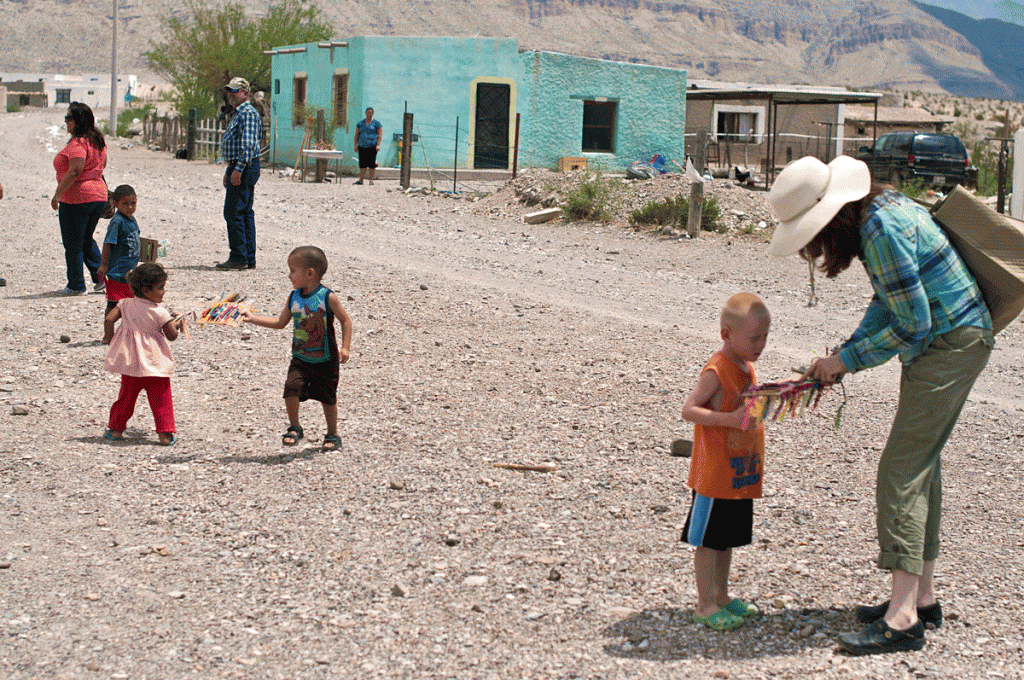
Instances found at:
x=190 y=143
x=321 y=163
x=406 y=172
x=1001 y=189
x=515 y=150
x=697 y=188
x=455 y=163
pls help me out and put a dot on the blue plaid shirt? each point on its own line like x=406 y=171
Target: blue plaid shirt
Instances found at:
x=241 y=141
x=922 y=288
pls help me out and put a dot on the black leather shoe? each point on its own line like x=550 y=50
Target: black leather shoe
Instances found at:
x=879 y=638
x=229 y=265
x=930 y=615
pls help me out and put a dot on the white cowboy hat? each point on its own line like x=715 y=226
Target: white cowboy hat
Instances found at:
x=807 y=194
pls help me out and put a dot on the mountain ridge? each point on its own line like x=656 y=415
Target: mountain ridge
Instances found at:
x=864 y=44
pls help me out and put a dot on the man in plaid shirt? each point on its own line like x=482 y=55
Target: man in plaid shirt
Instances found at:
x=241 y=151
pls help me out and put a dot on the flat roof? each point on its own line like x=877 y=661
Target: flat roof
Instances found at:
x=698 y=90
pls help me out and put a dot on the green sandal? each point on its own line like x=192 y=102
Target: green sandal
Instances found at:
x=292 y=436
x=332 y=442
x=720 y=620
x=741 y=608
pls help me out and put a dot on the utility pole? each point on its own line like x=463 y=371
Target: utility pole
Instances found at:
x=113 y=76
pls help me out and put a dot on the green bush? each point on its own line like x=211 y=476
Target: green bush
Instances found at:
x=125 y=117
x=913 y=188
x=590 y=200
x=676 y=211
x=13 y=108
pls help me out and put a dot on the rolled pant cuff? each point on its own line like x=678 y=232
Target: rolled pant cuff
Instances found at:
x=911 y=565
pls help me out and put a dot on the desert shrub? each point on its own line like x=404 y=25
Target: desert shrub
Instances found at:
x=13 y=108
x=913 y=187
x=591 y=199
x=127 y=116
x=676 y=211
x=980 y=115
x=956 y=111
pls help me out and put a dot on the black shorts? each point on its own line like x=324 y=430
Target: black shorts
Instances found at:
x=719 y=523
x=367 y=157
x=307 y=380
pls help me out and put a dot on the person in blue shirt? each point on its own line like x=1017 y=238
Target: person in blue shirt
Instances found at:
x=120 y=252
x=241 y=151
x=369 y=132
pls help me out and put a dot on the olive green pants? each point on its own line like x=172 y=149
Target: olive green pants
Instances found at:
x=933 y=389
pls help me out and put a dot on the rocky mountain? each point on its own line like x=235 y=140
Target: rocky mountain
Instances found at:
x=875 y=44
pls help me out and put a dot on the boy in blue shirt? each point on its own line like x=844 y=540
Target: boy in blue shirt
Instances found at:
x=120 y=252
x=313 y=372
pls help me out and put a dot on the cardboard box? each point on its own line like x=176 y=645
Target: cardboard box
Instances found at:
x=566 y=163
x=150 y=249
x=992 y=247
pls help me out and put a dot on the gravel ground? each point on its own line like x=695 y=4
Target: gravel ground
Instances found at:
x=478 y=339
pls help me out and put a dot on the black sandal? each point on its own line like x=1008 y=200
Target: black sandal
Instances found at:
x=294 y=433
x=332 y=442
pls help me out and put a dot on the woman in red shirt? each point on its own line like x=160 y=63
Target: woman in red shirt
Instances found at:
x=80 y=196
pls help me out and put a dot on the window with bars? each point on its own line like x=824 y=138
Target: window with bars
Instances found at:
x=341 y=100
x=299 y=100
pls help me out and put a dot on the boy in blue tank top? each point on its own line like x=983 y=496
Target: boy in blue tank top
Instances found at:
x=313 y=372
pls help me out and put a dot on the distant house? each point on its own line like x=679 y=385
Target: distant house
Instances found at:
x=860 y=121
x=57 y=89
x=465 y=95
x=763 y=127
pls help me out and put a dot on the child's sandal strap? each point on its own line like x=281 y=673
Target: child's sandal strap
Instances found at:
x=294 y=434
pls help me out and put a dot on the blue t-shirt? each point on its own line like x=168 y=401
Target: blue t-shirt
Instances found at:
x=368 y=133
x=123 y=237
x=312 y=326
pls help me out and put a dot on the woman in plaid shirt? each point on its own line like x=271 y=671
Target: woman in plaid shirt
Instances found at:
x=927 y=309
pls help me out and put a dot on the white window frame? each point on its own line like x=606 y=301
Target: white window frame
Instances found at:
x=759 y=120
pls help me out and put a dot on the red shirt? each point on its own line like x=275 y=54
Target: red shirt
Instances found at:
x=89 y=187
x=727 y=462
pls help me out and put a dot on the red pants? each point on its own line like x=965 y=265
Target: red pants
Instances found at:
x=158 y=391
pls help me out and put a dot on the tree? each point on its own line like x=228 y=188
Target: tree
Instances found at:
x=209 y=46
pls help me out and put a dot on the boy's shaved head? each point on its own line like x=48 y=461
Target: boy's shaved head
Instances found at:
x=740 y=307
x=311 y=257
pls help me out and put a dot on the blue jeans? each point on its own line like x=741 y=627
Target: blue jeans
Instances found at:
x=239 y=215
x=77 y=224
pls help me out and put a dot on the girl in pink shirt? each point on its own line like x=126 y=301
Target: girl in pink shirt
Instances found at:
x=140 y=352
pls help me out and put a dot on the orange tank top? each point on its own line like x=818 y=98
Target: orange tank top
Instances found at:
x=727 y=462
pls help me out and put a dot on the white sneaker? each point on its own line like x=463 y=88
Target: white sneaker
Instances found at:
x=99 y=287
x=68 y=292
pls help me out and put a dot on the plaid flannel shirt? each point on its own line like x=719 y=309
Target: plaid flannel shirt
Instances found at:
x=922 y=288
x=241 y=142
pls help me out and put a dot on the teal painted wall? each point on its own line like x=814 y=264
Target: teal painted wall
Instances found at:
x=650 y=110
x=436 y=78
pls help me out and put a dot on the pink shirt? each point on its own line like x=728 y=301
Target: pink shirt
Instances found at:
x=89 y=187
x=139 y=347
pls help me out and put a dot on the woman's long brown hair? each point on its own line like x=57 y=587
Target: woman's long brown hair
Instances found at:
x=839 y=241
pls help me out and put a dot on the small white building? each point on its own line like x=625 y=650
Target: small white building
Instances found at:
x=57 y=89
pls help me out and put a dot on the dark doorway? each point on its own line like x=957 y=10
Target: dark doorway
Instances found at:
x=491 y=139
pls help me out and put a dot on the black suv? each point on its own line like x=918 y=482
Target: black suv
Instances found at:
x=937 y=159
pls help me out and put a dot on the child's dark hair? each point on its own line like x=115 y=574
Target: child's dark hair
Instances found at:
x=123 y=191
x=311 y=258
x=146 y=277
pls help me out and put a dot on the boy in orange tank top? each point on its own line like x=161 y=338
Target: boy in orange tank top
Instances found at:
x=728 y=461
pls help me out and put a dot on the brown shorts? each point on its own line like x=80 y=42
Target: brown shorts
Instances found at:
x=318 y=381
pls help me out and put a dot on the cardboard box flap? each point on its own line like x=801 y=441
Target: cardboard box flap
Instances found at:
x=992 y=247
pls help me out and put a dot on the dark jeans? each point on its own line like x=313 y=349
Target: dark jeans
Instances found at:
x=239 y=215
x=77 y=224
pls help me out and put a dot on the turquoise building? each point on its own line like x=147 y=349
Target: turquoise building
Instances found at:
x=465 y=95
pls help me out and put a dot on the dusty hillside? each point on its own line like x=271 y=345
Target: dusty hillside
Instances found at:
x=883 y=43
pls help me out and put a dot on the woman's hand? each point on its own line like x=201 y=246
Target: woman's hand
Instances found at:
x=828 y=370
x=54 y=202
